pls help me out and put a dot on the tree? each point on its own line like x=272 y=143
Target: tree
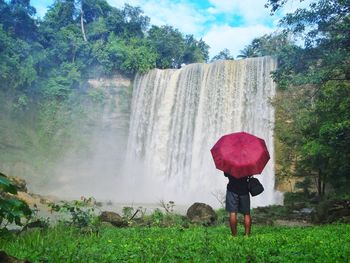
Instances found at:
x=223 y=55
x=135 y=24
x=130 y=56
x=17 y=64
x=195 y=51
x=17 y=17
x=248 y=52
x=169 y=44
x=91 y=11
x=322 y=66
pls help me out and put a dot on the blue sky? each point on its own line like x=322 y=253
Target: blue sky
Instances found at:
x=230 y=24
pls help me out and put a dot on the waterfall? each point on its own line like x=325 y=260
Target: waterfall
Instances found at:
x=178 y=115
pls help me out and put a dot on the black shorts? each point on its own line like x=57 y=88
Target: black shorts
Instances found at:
x=236 y=203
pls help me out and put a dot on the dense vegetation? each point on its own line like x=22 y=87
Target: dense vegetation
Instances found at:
x=176 y=244
x=313 y=107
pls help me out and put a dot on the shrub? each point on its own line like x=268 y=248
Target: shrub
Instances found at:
x=127 y=212
x=12 y=210
x=81 y=212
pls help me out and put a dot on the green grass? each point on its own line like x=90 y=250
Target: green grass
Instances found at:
x=328 y=243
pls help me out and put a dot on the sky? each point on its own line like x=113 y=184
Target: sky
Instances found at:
x=230 y=24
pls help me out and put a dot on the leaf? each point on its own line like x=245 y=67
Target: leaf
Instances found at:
x=7 y=186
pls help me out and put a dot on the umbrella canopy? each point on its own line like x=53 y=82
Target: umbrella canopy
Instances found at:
x=240 y=154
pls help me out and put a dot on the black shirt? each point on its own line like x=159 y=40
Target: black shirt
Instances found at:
x=238 y=186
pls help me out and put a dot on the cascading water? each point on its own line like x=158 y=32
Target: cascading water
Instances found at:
x=178 y=115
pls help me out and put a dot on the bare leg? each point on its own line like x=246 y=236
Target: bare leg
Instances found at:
x=247 y=224
x=233 y=223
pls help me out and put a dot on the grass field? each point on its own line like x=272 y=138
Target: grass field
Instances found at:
x=328 y=243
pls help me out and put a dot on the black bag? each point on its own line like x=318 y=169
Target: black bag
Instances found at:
x=254 y=186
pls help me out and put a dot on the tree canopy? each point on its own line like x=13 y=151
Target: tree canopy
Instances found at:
x=76 y=37
x=319 y=68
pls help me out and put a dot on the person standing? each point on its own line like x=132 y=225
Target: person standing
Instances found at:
x=238 y=201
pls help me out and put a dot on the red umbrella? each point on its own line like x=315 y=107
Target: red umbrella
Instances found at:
x=240 y=154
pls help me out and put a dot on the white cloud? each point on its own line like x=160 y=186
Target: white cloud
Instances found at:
x=251 y=11
x=189 y=20
x=181 y=15
x=233 y=38
x=40 y=11
x=120 y=3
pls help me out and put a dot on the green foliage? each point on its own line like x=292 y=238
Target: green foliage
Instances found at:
x=290 y=198
x=173 y=49
x=127 y=212
x=319 y=126
x=268 y=214
x=157 y=217
x=328 y=243
x=268 y=45
x=12 y=210
x=129 y=56
x=17 y=18
x=222 y=216
x=248 y=52
x=81 y=212
x=223 y=55
x=17 y=69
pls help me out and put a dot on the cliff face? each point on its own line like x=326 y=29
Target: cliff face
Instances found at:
x=55 y=144
x=116 y=94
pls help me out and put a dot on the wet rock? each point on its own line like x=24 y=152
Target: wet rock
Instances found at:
x=201 y=213
x=30 y=200
x=307 y=211
x=113 y=218
x=20 y=183
x=5 y=258
x=45 y=199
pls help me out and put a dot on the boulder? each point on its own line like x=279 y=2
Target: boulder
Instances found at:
x=113 y=218
x=20 y=183
x=201 y=213
x=30 y=200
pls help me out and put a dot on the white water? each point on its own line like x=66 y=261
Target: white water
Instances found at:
x=178 y=115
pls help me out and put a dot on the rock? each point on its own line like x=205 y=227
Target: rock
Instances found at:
x=201 y=213
x=45 y=200
x=5 y=258
x=113 y=218
x=30 y=200
x=20 y=183
x=307 y=211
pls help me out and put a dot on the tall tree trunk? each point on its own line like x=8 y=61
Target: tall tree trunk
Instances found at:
x=320 y=184
x=82 y=20
x=323 y=188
